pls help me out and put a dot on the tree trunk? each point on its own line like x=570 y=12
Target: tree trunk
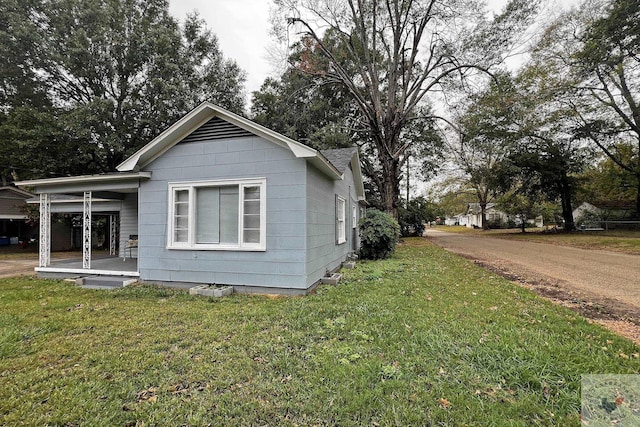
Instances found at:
x=483 y=216
x=638 y=197
x=565 y=199
x=390 y=191
x=523 y=223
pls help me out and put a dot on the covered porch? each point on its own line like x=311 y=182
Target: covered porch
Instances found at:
x=113 y=197
x=101 y=265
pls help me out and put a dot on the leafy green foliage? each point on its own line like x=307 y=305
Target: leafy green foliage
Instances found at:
x=594 y=49
x=379 y=235
x=526 y=129
x=520 y=205
x=384 y=347
x=103 y=78
x=413 y=216
x=296 y=105
x=483 y=142
x=606 y=180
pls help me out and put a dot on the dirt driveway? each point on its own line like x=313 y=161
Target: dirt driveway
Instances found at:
x=17 y=267
x=603 y=285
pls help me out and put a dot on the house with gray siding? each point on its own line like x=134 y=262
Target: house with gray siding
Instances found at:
x=219 y=199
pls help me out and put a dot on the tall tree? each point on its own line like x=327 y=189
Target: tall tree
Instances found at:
x=393 y=55
x=115 y=72
x=482 y=139
x=546 y=146
x=606 y=181
x=594 y=48
x=319 y=115
x=526 y=121
x=20 y=48
x=323 y=115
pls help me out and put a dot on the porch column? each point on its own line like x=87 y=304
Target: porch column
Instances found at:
x=45 y=230
x=113 y=234
x=86 y=231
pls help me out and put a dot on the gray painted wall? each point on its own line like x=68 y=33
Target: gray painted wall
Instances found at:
x=281 y=266
x=128 y=224
x=322 y=251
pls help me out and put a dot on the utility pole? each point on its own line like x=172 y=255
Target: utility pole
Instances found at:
x=408 y=159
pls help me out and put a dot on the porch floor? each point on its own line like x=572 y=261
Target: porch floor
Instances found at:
x=100 y=265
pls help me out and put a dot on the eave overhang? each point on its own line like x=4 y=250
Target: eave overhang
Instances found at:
x=119 y=181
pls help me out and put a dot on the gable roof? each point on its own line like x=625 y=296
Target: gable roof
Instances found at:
x=12 y=201
x=10 y=192
x=341 y=158
x=201 y=115
x=474 y=208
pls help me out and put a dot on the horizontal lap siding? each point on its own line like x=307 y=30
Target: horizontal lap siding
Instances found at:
x=323 y=253
x=128 y=223
x=282 y=265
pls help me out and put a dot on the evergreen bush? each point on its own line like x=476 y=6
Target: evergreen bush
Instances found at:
x=379 y=234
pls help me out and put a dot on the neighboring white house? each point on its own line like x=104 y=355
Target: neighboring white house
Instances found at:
x=453 y=220
x=473 y=217
x=492 y=214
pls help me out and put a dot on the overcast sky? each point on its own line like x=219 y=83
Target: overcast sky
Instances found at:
x=242 y=27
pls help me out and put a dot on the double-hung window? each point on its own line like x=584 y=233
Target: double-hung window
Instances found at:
x=341 y=224
x=224 y=215
x=354 y=217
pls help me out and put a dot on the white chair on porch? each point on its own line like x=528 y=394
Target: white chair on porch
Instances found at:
x=131 y=244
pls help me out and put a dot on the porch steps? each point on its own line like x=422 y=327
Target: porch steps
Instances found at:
x=104 y=282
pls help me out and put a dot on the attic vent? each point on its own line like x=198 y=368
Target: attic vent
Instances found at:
x=216 y=128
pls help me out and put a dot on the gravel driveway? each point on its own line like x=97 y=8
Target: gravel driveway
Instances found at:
x=606 y=277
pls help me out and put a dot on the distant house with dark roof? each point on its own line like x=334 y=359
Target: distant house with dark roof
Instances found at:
x=13 y=215
x=218 y=199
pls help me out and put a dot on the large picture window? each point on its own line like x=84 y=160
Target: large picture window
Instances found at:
x=224 y=215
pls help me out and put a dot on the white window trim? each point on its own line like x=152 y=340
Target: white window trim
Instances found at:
x=191 y=186
x=342 y=230
x=354 y=216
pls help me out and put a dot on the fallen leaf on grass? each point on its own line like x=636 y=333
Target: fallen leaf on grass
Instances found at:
x=444 y=403
x=286 y=379
x=178 y=389
x=147 y=395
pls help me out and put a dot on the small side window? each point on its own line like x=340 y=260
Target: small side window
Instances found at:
x=341 y=224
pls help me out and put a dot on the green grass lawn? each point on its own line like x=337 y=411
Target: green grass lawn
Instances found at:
x=425 y=338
